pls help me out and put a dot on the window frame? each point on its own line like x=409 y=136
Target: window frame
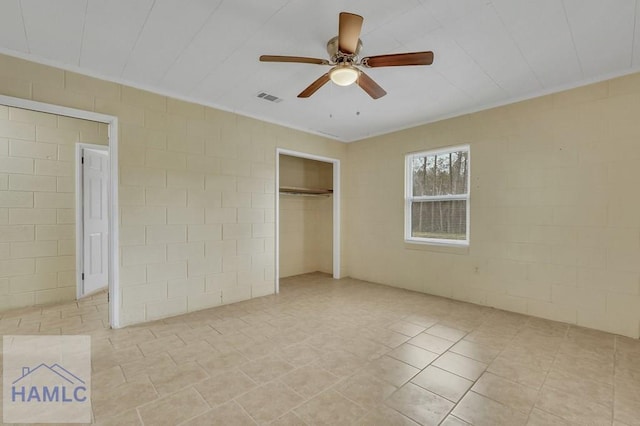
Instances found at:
x=409 y=198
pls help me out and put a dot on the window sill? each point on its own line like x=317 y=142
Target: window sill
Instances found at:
x=437 y=248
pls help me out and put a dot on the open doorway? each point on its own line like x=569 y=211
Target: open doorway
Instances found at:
x=53 y=184
x=92 y=218
x=317 y=180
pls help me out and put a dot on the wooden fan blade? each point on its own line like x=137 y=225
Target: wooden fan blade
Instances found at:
x=298 y=59
x=370 y=86
x=313 y=87
x=399 y=59
x=349 y=32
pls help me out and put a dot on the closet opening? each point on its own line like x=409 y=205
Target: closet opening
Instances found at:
x=307 y=215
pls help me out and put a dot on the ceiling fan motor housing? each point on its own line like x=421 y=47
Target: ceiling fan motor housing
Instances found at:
x=340 y=57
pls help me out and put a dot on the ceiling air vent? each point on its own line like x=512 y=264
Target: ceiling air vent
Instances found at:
x=268 y=97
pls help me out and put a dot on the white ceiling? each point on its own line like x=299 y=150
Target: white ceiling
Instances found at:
x=487 y=52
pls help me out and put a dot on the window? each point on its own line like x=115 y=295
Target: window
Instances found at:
x=437 y=196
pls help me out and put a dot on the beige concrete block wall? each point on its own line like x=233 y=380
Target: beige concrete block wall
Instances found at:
x=294 y=231
x=324 y=234
x=37 y=198
x=555 y=216
x=324 y=221
x=306 y=222
x=197 y=190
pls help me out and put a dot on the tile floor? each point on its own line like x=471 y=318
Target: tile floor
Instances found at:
x=327 y=352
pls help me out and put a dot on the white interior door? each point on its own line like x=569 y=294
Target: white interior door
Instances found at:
x=95 y=202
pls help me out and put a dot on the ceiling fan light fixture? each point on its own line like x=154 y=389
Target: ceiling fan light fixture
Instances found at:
x=344 y=75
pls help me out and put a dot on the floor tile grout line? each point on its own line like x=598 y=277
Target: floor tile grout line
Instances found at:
x=196 y=416
x=336 y=330
x=470 y=389
x=304 y=400
x=139 y=416
x=423 y=369
x=245 y=411
x=161 y=397
x=555 y=356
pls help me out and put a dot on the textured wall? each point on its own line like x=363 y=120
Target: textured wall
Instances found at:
x=37 y=204
x=555 y=216
x=555 y=225
x=197 y=193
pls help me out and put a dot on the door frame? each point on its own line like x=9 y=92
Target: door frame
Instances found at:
x=336 y=209
x=80 y=146
x=112 y=122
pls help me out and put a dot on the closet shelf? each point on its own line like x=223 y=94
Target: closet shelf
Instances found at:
x=293 y=190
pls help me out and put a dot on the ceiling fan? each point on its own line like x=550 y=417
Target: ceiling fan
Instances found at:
x=343 y=51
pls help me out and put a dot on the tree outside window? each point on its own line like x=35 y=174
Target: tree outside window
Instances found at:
x=437 y=196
